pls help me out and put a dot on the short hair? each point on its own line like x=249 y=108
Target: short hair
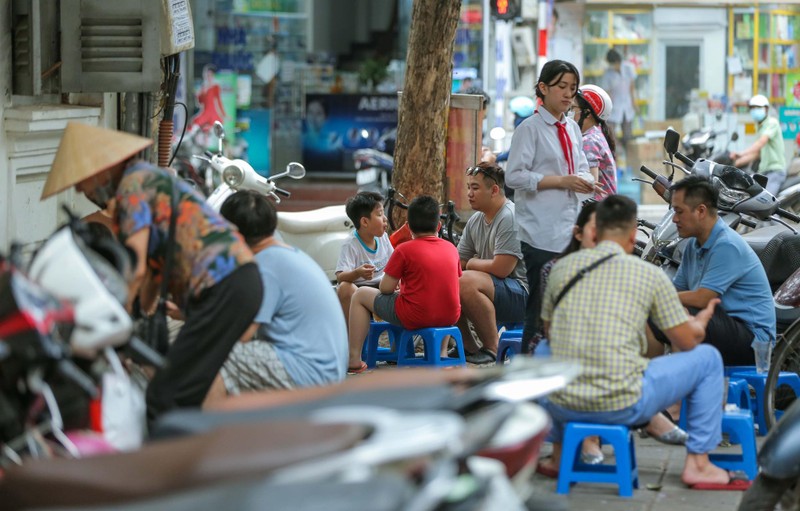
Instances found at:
x=613 y=56
x=615 y=212
x=361 y=205
x=552 y=72
x=423 y=214
x=252 y=213
x=697 y=190
x=492 y=174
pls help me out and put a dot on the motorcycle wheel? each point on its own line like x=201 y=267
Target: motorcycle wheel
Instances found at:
x=786 y=357
x=764 y=494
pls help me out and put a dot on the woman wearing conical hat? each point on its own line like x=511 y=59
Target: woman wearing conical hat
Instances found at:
x=213 y=280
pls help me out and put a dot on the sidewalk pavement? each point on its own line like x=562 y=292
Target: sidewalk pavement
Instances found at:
x=660 y=469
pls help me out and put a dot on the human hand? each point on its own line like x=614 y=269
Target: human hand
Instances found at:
x=174 y=312
x=366 y=271
x=576 y=184
x=704 y=316
x=734 y=155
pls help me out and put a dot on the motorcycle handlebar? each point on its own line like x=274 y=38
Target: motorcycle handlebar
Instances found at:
x=649 y=173
x=649 y=225
x=684 y=159
x=281 y=191
x=748 y=223
x=788 y=215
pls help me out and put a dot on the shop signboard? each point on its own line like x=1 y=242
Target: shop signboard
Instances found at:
x=789 y=118
x=336 y=125
x=792 y=92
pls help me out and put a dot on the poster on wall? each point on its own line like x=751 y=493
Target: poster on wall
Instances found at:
x=789 y=118
x=336 y=125
x=792 y=92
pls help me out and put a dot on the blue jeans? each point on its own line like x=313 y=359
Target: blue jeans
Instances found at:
x=695 y=375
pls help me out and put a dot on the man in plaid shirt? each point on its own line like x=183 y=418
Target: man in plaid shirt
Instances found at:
x=600 y=322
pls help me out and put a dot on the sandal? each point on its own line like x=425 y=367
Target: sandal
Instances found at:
x=357 y=370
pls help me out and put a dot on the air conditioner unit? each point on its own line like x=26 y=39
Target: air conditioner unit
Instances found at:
x=117 y=46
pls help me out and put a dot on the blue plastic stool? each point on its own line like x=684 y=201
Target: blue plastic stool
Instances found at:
x=739 y=394
x=739 y=426
x=510 y=344
x=511 y=326
x=432 y=339
x=371 y=352
x=758 y=382
x=729 y=370
x=572 y=470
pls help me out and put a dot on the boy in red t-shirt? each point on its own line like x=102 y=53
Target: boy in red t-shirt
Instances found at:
x=427 y=269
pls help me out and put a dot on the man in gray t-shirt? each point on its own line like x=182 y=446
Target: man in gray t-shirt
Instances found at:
x=494 y=288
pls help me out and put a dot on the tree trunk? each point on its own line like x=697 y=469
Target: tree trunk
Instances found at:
x=419 y=166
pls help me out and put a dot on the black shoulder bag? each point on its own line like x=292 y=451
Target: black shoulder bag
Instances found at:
x=579 y=276
x=157 y=331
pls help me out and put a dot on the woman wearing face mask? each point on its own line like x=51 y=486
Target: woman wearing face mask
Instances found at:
x=768 y=146
x=591 y=111
x=544 y=166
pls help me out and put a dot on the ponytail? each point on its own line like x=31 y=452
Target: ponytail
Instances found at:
x=609 y=134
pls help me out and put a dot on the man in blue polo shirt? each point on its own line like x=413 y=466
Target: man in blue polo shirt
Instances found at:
x=717 y=262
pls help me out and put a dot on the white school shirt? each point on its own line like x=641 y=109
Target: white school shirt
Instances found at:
x=545 y=218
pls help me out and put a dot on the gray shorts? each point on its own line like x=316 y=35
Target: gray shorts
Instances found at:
x=384 y=308
x=254 y=366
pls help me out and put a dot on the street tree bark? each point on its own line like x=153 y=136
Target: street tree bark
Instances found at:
x=419 y=167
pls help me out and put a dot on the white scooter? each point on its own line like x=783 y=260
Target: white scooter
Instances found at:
x=319 y=233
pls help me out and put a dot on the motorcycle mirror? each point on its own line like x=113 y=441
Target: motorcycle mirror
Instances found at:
x=219 y=132
x=294 y=170
x=497 y=133
x=671 y=140
x=761 y=179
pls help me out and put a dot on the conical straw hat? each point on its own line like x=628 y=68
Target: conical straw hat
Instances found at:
x=85 y=151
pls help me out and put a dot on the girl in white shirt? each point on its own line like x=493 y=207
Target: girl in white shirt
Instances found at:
x=545 y=168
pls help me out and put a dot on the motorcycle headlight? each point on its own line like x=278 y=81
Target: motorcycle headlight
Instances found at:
x=233 y=176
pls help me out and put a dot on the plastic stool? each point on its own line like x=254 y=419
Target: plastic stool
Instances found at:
x=758 y=382
x=510 y=325
x=738 y=394
x=739 y=426
x=572 y=470
x=729 y=370
x=432 y=339
x=510 y=344
x=371 y=352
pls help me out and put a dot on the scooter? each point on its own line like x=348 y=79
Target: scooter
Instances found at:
x=331 y=436
x=320 y=233
x=777 y=482
x=701 y=143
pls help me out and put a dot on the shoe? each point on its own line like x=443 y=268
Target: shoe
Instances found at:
x=548 y=472
x=453 y=352
x=738 y=482
x=481 y=357
x=675 y=436
x=592 y=459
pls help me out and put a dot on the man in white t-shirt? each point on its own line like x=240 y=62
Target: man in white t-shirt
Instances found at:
x=619 y=81
x=364 y=256
x=493 y=287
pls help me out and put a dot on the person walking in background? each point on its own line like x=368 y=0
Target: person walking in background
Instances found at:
x=592 y=108
x=619 y=80
x=544 y=166
x=768 y=147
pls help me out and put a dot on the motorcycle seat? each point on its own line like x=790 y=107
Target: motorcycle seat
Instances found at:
x=328 y=219
x=231 y=453
x=188 y=422
x=383 y=492
x=781 y=257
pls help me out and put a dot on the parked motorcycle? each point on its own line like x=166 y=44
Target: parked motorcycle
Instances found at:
x=320 y=233
x=702 y=142
x=777 y=481
x=422 y=432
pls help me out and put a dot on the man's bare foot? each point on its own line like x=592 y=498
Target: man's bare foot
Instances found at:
x=698 y=469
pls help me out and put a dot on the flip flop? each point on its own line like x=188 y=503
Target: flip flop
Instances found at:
x=737 y=483
x=357 y=370
x=548 y=472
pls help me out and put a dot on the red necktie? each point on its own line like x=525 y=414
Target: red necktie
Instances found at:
x=566 y=146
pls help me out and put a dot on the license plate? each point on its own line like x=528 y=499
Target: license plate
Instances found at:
x=366 y=176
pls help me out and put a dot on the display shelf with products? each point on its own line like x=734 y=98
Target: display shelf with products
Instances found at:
x=763 y=45
x=629 y=31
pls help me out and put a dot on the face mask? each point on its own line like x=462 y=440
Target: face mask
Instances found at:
x=758 y=114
